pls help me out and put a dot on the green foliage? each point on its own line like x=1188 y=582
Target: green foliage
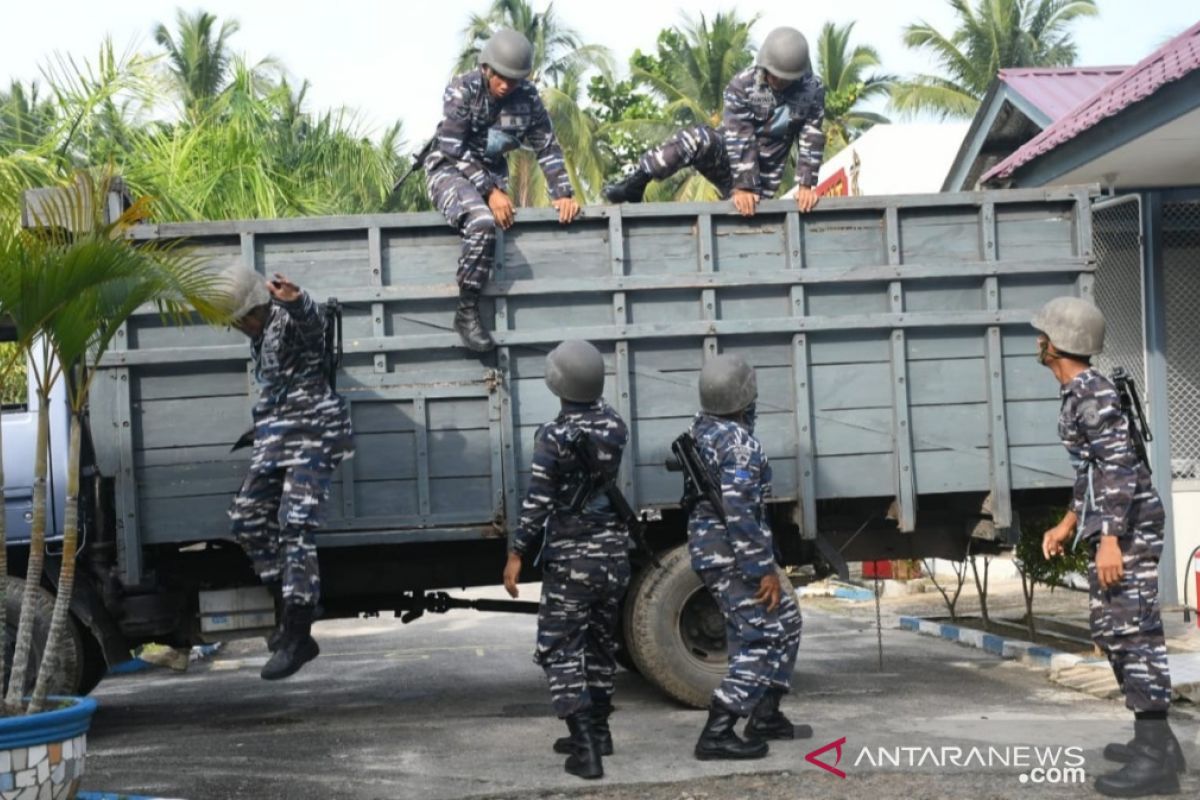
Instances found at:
x=843 y=71
x=1033 y=563
x=991 y=35
x=14 y=386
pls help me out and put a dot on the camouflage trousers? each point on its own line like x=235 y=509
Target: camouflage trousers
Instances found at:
x=762 y=644
x=468 y=213
x=577 y=627
x=698 y=146
x=275 y=514
x=1126 y=621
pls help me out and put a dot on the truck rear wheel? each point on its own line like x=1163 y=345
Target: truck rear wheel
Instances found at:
x=70 y=677
x=674 y=630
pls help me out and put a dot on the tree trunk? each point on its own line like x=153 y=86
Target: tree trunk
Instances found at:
x=1027 y=588
x=37 y=553
x=66 y=577
x=982 y=588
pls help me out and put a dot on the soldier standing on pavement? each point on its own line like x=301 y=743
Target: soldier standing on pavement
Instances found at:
x=489 y=112
x=301 y=433
x=768 y=108
x=1117 y=513
x=585 y=554
x=736 y=560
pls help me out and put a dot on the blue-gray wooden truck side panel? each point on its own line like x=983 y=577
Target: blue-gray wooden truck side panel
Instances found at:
x=890 y=336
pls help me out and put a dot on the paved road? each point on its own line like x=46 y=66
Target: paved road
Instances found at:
x=452 y=707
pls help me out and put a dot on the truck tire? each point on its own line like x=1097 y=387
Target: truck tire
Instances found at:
x=674 y=629
x=70 y=677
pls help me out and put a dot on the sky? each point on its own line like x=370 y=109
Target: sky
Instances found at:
x=391 y=60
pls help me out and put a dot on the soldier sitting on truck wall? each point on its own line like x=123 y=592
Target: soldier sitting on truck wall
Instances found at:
x=489 y=112
x=301 y=433
x=1118 y=515
x=767 y=109
x=736 y=560
x=585 y=554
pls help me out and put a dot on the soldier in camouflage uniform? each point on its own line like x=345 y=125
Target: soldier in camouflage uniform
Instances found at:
x=585 y=552
x=736 y=560
x=488 y=113
x=768 y=108
x=1117 y=514
x=301 y=433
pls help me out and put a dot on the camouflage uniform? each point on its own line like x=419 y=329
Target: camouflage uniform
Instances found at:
x=732 y=562
x=469 y=158
x=301 y=433
x=1114 y=497
x=586 y=555
x=748 y=151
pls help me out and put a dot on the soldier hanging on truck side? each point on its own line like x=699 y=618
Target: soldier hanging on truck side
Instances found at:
x=487 y=113
x=769 y=108
x=584 y=549
x=301 y=433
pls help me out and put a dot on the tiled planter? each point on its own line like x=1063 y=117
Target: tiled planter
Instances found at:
x=42 y=756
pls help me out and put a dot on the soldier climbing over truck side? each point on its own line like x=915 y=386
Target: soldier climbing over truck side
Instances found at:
x=301 y=433
x=585 y=549
x=768 y=108
x=487 y=113
x=732 y=550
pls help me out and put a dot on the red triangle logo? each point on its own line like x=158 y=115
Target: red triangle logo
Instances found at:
x=813 y=757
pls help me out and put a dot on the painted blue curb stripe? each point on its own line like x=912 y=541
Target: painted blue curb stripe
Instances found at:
x=910 y=623
x=847 y=593
x=993 y=644
x=950 y=632
x=996 y=645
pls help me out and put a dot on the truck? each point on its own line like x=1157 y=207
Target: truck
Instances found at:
x=901 y=406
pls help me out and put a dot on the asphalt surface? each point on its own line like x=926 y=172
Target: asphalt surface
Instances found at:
x=452 y=707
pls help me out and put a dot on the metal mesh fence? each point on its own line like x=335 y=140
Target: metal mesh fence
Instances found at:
x=1181 y=264
x=1117 y=242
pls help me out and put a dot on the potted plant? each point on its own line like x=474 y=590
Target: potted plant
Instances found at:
x=67 y=286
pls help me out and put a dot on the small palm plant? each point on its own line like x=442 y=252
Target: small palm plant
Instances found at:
x=68 y=286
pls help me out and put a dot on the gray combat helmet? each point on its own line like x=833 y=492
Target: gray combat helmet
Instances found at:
x=727 y=385
x=508 y=53
x=244 y=290
x=575 y=371
x=1072 y=324
x=784 y=54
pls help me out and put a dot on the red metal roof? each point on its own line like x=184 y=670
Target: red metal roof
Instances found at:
x=1057 y=90
x=1172 y=61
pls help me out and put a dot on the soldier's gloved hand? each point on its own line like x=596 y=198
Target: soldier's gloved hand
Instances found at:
x=806 y=199
x=282 y=289
x=745 y=202
x=1110 y=563
x=512 y=574
x=769 y=591
x=502 y=208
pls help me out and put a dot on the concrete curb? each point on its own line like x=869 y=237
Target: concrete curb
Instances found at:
x=1015 y=649
x=840 y=591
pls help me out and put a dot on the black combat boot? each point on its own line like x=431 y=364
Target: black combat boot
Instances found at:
x=585 y=761
x=768 y=722
x=601 y=710
x=1123 y=753
x=275 y=587
x=1149 y=771
x=468 y=325
x=629 y=189
x=719 y=741
x=296 y=646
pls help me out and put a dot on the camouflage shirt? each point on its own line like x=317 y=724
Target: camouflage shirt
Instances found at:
x=736 y=459
x=1113 y=493
x=478 y=131
x=761 y=125
x=294 y=392
x=596 y=531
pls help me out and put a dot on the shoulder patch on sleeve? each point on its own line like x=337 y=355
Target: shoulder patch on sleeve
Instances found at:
x=1089 y=411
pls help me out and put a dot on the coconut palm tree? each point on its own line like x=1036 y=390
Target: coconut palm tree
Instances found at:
x=991 y=35
x=69 y=286
x=560 y=60
x=843 y=71
x=198 y=56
